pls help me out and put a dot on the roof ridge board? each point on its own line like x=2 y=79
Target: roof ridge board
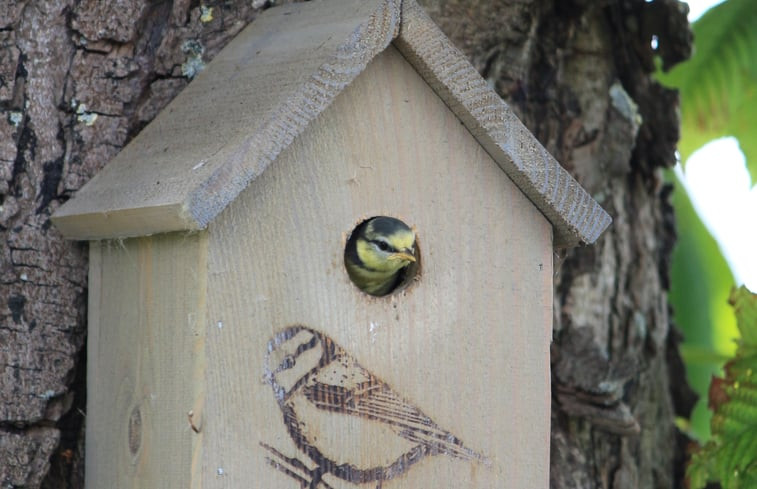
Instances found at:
x=107 y=208
x=351 y=57
x=575 y=215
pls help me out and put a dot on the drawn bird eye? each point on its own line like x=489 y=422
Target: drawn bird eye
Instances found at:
x=287 y=363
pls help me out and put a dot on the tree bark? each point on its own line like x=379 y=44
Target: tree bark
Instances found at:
x=578 y=73
x=78 y=79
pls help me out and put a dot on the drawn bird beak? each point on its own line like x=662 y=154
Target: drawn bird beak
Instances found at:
x=406 y=255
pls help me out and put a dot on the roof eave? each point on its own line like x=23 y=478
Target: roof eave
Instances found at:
x=574 y=215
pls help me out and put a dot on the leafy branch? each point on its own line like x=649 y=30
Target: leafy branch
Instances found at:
x=730 y=457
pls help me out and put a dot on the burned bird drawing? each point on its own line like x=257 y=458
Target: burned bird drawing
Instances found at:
x=332 y=407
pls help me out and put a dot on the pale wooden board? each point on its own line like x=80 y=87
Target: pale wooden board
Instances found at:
x=269 y=84
x=145 y=355
x=247 y=105
x=576 y=216
x=468 y=343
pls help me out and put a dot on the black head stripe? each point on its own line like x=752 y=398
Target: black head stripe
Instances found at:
x=386 y=226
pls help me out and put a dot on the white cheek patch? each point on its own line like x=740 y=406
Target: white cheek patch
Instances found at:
x=380 y=251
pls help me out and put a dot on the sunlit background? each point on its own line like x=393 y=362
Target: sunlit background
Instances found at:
x=720 y=192
x=718 y=183
x=719 y=186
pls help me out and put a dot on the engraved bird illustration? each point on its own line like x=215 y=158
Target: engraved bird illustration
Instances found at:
x=347 y=421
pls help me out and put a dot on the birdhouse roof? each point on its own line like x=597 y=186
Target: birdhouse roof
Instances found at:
x=271 y=82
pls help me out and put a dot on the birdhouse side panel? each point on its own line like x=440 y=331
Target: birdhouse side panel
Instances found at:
x=311 y=382
x=145 y=360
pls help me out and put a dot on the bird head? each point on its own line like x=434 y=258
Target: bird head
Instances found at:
x=292 y=354
x=385 y=244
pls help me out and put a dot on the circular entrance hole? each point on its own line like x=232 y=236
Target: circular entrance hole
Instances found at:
x=382 y=255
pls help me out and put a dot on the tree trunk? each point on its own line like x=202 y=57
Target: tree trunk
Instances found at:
x=578 y=75
x=78 y=79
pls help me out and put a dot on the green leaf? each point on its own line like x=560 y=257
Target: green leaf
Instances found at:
x=730 y=458
x=718 y=85
x=701 y=282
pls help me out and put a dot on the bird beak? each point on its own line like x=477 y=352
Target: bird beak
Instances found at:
x=406 y=255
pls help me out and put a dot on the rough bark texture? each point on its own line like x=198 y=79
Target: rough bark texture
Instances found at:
x=79 y=78
x=578 y=74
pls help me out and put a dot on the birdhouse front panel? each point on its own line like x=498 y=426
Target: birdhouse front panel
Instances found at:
x=341 y=275
x=312 y=382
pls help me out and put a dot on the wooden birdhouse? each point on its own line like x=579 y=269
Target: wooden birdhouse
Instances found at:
x=228 y=345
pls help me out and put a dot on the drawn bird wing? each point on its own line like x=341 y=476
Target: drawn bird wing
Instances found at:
x=373 y=399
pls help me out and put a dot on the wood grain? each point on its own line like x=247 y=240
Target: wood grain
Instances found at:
x=467 y=344
x=445 y=384
x=233 y=120
x=145 y=361
x=576 y=217
x=274 y=80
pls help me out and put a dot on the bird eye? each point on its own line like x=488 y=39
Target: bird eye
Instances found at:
x=383 y=246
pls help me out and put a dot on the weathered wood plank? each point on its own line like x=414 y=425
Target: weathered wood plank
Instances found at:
x=273 y=80
x=467 y=344
x=227 y=126
x=575 y=216
x=145 y=361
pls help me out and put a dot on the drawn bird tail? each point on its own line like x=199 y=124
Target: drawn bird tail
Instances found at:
x=447 y=444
